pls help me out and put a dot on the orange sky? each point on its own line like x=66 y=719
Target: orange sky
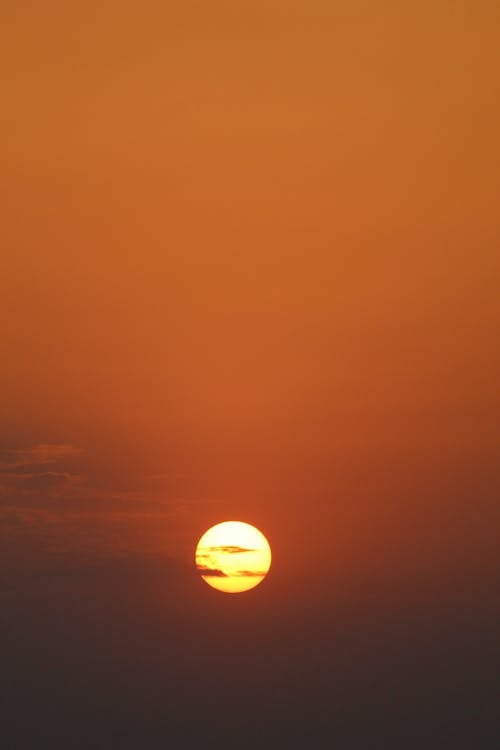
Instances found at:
x=251 y=250
x=249 y=271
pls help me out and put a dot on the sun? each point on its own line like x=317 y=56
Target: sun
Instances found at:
x=233 y=557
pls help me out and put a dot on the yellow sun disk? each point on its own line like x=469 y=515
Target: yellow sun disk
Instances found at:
x=233 y=557
x=233 y=585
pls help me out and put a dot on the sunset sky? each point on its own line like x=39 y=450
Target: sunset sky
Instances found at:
x=249 y=270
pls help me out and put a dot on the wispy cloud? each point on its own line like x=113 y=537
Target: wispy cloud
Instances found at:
x=24 y=471
x=39 y=455
x=46 y=481
x=55 y=503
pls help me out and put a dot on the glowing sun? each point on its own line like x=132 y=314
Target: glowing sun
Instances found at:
x=233 y=557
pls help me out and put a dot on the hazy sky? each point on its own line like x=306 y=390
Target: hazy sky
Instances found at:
x=249 y=270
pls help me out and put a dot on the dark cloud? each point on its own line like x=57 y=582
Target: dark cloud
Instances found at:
x=230 y=549
x=215 y=572
x=251 y=573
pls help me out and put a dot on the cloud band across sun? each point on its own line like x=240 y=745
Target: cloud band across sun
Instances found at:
x=233 y=556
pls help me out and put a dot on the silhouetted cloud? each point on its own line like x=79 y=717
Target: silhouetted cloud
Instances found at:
x=252 y=573
x=215 y=572
x=230 y=549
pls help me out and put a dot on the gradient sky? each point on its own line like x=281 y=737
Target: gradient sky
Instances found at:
x=249 y=270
